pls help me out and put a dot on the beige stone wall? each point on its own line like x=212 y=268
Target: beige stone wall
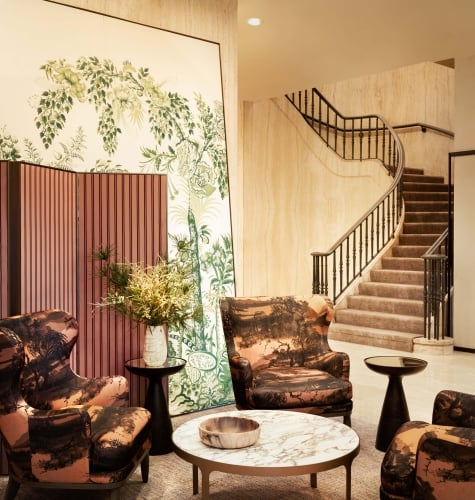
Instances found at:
x=298 y=197
x=418 y=93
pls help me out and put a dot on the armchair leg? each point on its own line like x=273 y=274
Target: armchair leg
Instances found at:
x=144 y=468
x=347 y=420
x=12 y=489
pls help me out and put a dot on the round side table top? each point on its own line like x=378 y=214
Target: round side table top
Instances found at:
x=139 y=367
x=395 y=365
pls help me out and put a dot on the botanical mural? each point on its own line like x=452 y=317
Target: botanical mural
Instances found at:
x=86 y=92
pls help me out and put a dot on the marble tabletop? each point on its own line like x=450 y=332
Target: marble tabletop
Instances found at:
x=287 y=439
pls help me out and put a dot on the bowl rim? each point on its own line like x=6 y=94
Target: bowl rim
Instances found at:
x=256 y=425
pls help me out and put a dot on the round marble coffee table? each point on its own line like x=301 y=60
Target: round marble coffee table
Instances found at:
x=290 y=444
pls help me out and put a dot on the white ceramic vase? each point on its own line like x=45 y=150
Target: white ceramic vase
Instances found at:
x=155 y=348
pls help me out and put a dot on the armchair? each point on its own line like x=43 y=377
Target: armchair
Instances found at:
x=434 y=460
x=280 y=358
x=77 y=447
x=47 y=380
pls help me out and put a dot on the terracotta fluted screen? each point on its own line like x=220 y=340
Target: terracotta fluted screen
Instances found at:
x=51 y=221
x=128 y=213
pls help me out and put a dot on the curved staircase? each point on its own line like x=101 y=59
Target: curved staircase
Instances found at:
x=387 y=310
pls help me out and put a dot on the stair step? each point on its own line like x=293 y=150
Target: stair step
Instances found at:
x=396 y=290
x=426 y=206
x=421 y=178
x=424 y=227
x=418 y=239
x=425 y=195
x=425 y=186
x=383 y=321
x=409 y=250
x=426 y=217
x=413 y=170
x=386 y=305
x=399 y=341
x=396 y=276
x=403 y=263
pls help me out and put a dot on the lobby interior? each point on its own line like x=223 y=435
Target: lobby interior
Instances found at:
x=257 y=73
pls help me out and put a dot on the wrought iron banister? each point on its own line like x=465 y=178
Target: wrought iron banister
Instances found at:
x=425 y=127
x=354 y=138
x=437 y=286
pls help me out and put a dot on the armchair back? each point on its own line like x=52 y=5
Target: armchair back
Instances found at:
x=47 y=379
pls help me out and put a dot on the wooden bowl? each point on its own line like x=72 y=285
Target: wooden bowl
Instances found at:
x=229 y=432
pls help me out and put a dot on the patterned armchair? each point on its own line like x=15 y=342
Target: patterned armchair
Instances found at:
x=78 y=446
x=280 y=358
x=47 y=380
x=433 y=461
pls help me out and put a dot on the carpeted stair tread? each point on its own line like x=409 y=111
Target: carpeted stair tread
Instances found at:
x=418 y=239
x=424 y=227
x=396 y=276
x=426 y=217
x=384 y=321
x=395 y=290
x=403 y=263
x=389 y=305
x=400 y=341
x=409 y=179
x=425 y=206
x=409 y=250
x=425 y=196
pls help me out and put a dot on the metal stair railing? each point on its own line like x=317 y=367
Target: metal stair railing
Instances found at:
x=437 y=288
x=354 y=138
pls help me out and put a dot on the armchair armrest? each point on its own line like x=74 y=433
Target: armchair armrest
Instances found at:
x=454 y=408
x=60 y=442
x=243 y=380
x=335 y=363
x=445 y=463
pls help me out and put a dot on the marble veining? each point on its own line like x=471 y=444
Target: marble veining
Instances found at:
x=287 y=439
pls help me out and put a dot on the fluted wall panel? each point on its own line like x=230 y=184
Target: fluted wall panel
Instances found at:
x=128 y=213
x=47 y=225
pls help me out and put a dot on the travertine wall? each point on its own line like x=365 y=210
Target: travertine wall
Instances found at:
x=420 y=93
x=298 y=197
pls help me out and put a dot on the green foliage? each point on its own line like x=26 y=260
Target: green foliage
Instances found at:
x=159 y=294
x=8 y=146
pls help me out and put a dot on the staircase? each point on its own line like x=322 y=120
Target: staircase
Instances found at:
x=388 y=308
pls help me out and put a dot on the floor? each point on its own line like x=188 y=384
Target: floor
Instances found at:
x=451 y=371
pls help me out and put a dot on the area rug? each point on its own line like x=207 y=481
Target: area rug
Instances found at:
x=171 y=479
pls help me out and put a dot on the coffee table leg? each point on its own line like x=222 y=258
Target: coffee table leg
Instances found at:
x=313 y=479
x=195 y=479
x=205 y=484
x=348 y=481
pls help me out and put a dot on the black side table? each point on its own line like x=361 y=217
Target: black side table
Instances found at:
x=394 y=412
x=155 y=400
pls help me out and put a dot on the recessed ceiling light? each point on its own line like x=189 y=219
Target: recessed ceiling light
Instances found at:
x=254 y=21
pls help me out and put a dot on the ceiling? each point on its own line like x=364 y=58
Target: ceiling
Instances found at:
x=308 y=43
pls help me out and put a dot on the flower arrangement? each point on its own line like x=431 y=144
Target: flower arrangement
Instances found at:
x=160 y=294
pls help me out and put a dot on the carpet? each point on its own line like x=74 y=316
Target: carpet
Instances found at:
x=171 y=478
